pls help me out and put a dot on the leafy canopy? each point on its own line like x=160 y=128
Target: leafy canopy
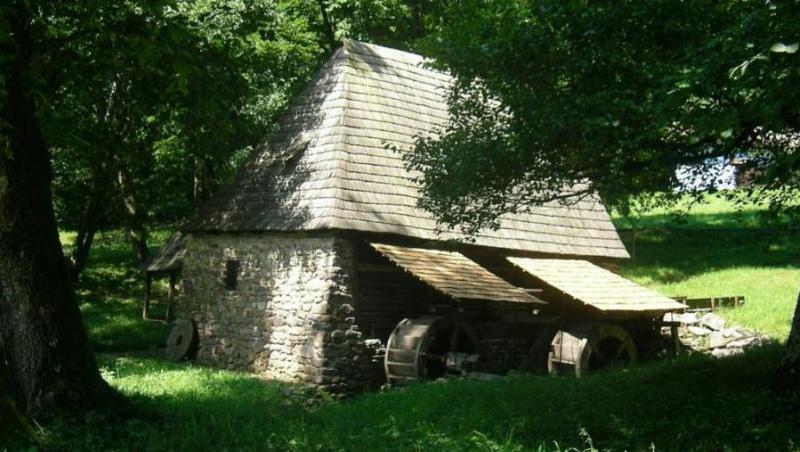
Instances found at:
x=553 y=93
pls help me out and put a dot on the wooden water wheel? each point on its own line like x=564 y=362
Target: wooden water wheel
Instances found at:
x=426 y=348
x=587 y=347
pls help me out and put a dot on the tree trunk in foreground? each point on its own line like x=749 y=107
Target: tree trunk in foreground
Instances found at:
x=47 y=353
x=13 y=422
x=328 y=27
x=787 y=377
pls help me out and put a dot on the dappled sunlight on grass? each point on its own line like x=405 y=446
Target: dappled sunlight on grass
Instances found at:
x=153 y=378
x=117 y=325
x=714 y=211
x=763 y=266
x=689 y=403
x=110 y=292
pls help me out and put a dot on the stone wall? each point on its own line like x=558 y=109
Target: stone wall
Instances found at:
x=709 y=334
x=291 y=316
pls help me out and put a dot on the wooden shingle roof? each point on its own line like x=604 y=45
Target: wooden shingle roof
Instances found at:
x=453 y=274
x=596 y=286
x=331 y=165
x=169 y=257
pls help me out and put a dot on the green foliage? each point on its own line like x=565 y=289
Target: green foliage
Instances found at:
x=178 y=93
x=393 y=23
x=550 y=94
x=178 y=90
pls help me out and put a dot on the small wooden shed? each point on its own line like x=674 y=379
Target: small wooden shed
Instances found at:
x=167 y=263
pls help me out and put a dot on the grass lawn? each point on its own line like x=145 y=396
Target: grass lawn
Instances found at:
x=712 y=211
x=110 y=294
x=764 y=266
x=719 y=250
x=693 y=403
x=689 y=403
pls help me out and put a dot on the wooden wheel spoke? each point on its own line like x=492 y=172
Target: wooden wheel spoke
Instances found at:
x=418 y=348
x=454 y=339
x=620 y=350
x=435 y=357
x=591 y=347
x=598 y=353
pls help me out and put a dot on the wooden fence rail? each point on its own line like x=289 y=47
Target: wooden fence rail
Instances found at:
x=712 y=303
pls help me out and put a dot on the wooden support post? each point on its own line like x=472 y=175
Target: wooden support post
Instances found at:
x=171 y=295
x=676 y=340
x=713 y=304
x=148 y=285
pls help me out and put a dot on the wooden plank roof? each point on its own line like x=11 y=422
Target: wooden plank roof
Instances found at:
x=334 y=164
x=169 y=257
x=596 y=286
x=454 y=274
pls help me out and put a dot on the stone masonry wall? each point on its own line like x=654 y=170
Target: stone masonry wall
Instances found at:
x=291 y=316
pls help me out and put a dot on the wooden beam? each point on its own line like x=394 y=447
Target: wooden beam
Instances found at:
x=171 y=295
x=377 y=268
x=148 y=286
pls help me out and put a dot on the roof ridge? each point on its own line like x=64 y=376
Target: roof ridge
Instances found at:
x=354 y=45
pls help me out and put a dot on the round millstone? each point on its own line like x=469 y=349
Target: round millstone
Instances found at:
x=180 y=340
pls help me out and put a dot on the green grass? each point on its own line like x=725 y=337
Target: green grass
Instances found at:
x=689 y=403
x=692 y=403
x=764 y=266
x=710 y=211
x=719 y=248
x=110 y=293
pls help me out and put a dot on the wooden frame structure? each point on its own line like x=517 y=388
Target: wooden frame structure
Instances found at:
x=148 y=289
x=167 y=262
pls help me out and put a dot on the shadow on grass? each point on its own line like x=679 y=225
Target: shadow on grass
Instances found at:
x=110 y=292
x=682 y=253
x=689 y=404
x=729 y=219
x=117 y=326
x=182 y=406
x=692 y=403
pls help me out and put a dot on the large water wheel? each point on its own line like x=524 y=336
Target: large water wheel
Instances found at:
x=587 y=347
x=428 y=348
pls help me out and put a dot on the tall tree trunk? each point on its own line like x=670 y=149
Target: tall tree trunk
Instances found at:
x=787 y=377
x=90 y=219
x=417 y=18
x=45 y=345
x=327 y=24
x=133 y=218
x=203 y=179
x=14 y=425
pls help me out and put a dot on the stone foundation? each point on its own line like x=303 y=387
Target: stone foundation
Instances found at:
x=709 y=334
x=291 y=315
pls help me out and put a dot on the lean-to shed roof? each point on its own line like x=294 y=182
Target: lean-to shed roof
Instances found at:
x=331 y=166
x=453 y=274
x=596 y=286
x=169 y=257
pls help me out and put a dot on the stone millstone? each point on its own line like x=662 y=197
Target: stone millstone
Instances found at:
x=180 y=340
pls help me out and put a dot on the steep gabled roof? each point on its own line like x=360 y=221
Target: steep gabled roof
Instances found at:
x=331 y=165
